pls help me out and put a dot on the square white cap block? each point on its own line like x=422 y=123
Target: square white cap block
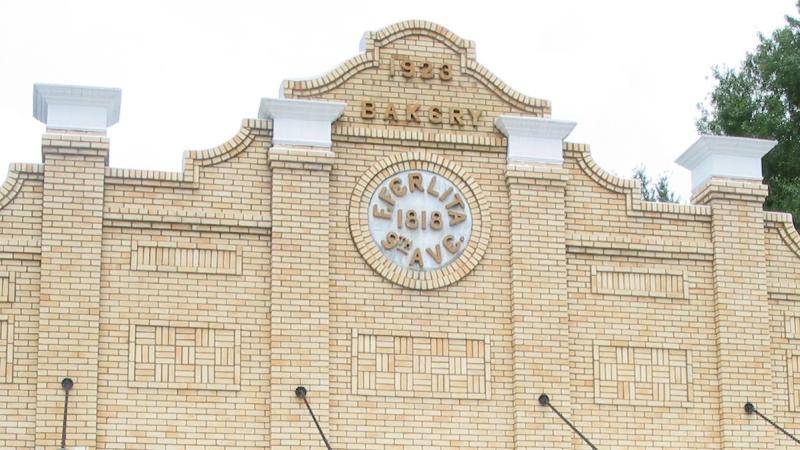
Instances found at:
x=533 y=139
x=80 y=108
x=724 y=157
x=301 y=122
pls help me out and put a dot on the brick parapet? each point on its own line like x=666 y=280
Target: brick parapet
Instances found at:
x=630 y=188
x=783 y=222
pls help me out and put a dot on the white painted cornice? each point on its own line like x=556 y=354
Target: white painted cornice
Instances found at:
x=301 y=122
x=79 y=108
x=534 y=139
x=724 y=157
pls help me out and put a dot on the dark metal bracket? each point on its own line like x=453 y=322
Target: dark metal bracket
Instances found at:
x=66 y=385
x=750 y=408
x=301 y=392
x=544 y=400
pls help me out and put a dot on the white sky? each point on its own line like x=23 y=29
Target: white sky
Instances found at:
x=629 y=72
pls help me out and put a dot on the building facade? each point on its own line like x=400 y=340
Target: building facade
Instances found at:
x=415 y=243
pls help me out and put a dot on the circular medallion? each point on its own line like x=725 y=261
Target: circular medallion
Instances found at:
x=417 y=221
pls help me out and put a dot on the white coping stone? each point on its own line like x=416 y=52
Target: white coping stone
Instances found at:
x=533 y=139
x=301 y=122
x=79 y=108
x=724 y=157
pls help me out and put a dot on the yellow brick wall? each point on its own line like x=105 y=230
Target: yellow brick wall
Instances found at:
x=188 y=253
x=783 y=265
x=611 y=231
x=197 y=301
x=477 y=308
x=72 y=215
x=20 y=250
x=741 y=306
x=300 y=292
x=539 y=289
x=209 y=390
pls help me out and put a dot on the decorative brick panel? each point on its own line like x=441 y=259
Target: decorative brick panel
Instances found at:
x=164 y=356
x=186 y=258
x=414 y=366
x=6 y=350
x=793 y=367
x=792 y=327
x=653 y=282
x=642 y=376
x=6 y=287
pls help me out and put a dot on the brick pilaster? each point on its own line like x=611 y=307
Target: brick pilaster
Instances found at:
x=741 y=309
x=540 y=328
x=72 y=223
x=300 y=295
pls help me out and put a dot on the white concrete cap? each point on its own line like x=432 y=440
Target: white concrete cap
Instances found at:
x=80 y=108
x=724 y=157
x=301 y=122
x=533 y=139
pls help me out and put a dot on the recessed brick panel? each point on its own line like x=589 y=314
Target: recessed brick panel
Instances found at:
x=642 y=376
x=415 y=366
x=186 y=258
x=6 y=350
x=6 y=287
x=644 y=282
x=184 y=357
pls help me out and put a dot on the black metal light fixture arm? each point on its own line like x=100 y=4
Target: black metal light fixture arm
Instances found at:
x=301 y=393
x=544 y=400
x=750 y=408
x=66 y=385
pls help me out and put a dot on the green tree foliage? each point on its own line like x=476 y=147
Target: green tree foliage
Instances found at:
x=762 y=99
x=662 y=191
x=657 y=190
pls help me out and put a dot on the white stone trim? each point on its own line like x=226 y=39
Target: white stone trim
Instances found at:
x=724 y=157
x=533 y=139
x=80 y=108
x=301 y=122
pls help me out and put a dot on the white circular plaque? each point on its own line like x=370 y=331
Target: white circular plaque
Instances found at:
x=419 y=220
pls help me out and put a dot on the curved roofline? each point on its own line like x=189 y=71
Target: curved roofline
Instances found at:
x=629 y=187
x=187 y=177
x=786 y=229
x=193 y=159
x=18 y=173
x=373 y=41
x=401 y=29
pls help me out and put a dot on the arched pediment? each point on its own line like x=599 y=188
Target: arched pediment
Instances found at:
x=417 y=73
